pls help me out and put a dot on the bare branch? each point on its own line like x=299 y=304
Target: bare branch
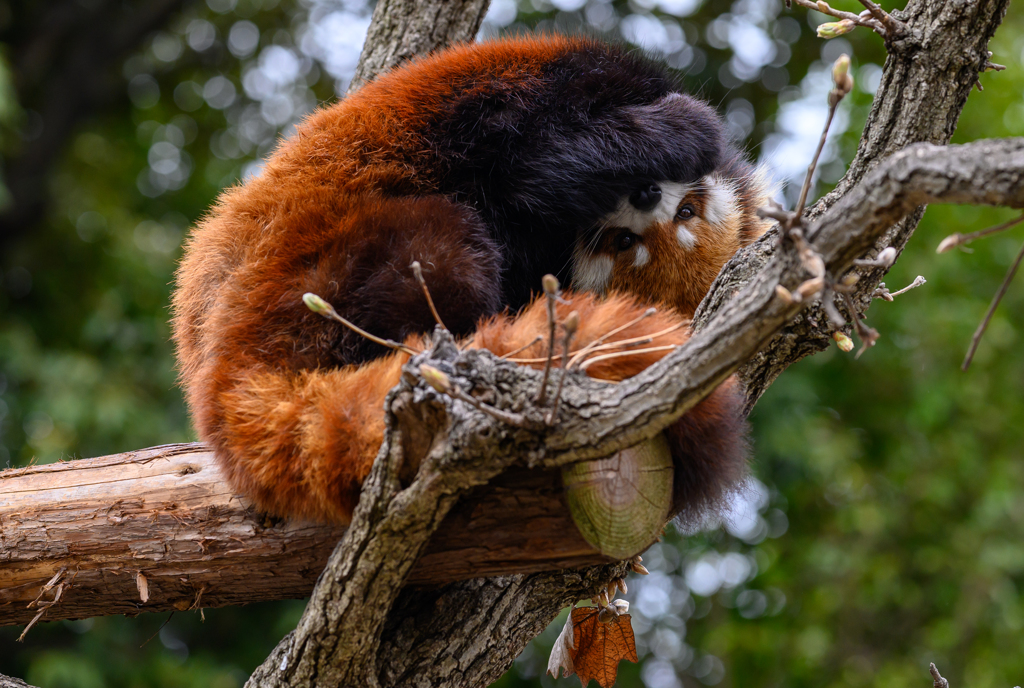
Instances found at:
x=980 y=332
x=893 y=28
x=954 y=240
x=417 y=272
x=121 y=509
x=322 y=308
x=882 y=292
x=550 y=284
x=856 y=19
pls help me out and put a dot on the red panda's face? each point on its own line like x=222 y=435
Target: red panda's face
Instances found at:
x=667 y=241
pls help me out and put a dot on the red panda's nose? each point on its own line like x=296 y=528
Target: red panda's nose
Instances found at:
x=646 y=198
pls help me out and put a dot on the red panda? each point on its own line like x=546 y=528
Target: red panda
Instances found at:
x=491 y=164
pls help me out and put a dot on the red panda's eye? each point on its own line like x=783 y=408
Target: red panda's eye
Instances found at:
x=626 y=241
x=686 y=212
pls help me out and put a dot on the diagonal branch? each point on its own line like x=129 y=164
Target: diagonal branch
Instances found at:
x=937 y=60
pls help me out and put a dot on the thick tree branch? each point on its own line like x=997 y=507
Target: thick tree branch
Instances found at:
x=167 y=514
x=359 y=630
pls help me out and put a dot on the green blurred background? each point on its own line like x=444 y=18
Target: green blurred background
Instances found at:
x=885 y=525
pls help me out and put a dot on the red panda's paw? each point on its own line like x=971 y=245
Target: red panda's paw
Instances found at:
x=617 y=337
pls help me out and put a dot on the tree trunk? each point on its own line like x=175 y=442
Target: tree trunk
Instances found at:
x=402 y=29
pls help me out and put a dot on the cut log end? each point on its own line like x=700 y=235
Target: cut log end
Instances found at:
x=621 y=504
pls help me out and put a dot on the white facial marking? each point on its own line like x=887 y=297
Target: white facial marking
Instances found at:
x=626 y=215
x=672 y=194
x=686 y=237
x=720 y=203
x=643 y=256
x=591 y=273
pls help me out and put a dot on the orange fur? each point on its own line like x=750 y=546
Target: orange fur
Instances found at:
x=677 y=274
x=292 y=403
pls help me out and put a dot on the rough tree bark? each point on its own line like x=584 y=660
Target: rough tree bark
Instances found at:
x=8 y=682
x=930 y=71
x=354 y=633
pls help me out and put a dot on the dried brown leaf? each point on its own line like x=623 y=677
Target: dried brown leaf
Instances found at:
x=600 y=645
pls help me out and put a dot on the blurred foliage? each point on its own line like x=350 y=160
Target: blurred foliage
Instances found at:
x=884 y=527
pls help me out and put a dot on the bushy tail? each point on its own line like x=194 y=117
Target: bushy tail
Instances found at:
x=300 y=444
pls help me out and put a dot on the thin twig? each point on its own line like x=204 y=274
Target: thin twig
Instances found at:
x=882 y=292
x=572 y=322
x=828 y=302
x=892 y=27
x=417 y=271
x=619 y=354
x=918 y=282
x=21 y=638
x=321 y=307
x=799 y=210
x=550 y=284
x=524 y=347
x=976 y=339
x=157 y=631
x=954 y=240
x=774 y=212
x=868 y=335
x=600 y=340
x=788 y=221
x=840 y=14
x=44 y=605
